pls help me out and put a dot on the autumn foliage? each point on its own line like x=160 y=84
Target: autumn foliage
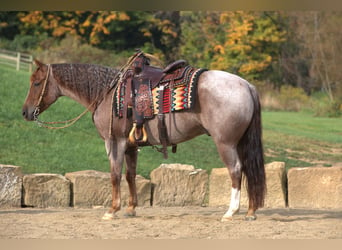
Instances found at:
x=88 y=25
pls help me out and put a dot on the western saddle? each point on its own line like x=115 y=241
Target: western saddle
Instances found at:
x=140 y=78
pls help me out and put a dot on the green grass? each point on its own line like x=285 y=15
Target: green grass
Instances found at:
x=304 y=125
x=299 y=139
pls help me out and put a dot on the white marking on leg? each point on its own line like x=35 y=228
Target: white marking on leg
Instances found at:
x=234 y=205
x=108 y=216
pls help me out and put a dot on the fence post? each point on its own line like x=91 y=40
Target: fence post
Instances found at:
x=18 y=61
x=30 y=63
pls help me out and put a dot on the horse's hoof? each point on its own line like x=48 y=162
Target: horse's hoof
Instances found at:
x=108 y=216
x=130 y=214
x=226 y=218
x=250 y=218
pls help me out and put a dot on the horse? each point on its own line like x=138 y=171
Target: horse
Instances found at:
x=227 y=108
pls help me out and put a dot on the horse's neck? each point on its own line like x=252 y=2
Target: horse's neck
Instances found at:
x=76 y=96
x=86 y=84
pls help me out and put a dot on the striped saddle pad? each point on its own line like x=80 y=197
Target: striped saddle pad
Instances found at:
x=179 y=93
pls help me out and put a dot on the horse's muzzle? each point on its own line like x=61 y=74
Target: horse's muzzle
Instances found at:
x=28 y=114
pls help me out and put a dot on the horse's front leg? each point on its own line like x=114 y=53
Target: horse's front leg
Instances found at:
x=115 y=151
x=131 y=166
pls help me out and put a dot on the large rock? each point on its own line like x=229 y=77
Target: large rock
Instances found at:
x=94 y=188
x=10 y=186
x=90 y=188
x=46 y=190
x=276 y=182
x=220 y=187
x=179 y=185
x=315 y=187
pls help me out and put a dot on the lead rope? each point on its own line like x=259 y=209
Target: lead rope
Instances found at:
x=67 y=122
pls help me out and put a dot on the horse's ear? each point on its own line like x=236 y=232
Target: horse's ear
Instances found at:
x=38 y=63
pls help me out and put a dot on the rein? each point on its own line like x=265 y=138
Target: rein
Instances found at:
x=67 y=123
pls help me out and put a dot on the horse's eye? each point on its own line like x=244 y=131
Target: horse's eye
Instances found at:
x=36 y=84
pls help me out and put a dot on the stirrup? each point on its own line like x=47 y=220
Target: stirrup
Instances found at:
x=131 y=137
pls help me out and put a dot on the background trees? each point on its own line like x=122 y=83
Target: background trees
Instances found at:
x=244 y=43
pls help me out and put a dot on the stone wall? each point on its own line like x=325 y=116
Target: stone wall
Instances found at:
x=315 y=187
x=171 y=185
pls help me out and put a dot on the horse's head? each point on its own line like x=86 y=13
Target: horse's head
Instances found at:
x=42 y=93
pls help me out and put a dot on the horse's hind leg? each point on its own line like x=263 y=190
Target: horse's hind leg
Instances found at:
x=131 y=162
x=231 y=159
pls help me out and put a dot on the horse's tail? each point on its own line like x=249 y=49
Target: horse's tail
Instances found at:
x=250 y=150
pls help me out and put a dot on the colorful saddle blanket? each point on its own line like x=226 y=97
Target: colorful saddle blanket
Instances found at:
x=179 y=93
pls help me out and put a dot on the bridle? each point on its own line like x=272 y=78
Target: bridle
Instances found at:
x=36 y=111
x=43 y=90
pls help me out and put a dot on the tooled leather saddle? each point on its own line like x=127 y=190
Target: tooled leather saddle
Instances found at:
x=137 y=82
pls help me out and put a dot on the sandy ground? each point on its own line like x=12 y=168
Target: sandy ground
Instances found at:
x=169 y=223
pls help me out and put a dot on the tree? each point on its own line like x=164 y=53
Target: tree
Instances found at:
x=111 y=30
x=199 y=31
x=251 y=43
x=164 y=31
x=242 y=42
x=126 y=34
x=294 y=65
x=321 y=38
x=87 y=25
x=9 y=24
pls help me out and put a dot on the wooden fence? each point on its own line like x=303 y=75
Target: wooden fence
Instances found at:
x=20 y=61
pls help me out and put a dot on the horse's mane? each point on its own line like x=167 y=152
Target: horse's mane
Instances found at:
x=89 y=80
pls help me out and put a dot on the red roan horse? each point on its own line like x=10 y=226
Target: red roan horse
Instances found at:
x=227 y=108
